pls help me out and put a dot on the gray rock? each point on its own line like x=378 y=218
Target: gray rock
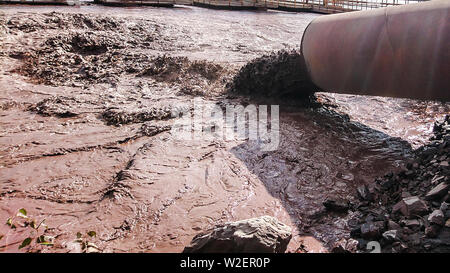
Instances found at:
x=411 y=206
x=390 y=235
x=406 y=194
x=436 y=179
x=336 y=204
x=364 y=193
x=345 y=246
x=372 y=230
x=260 y=235
x=432 y=231
x=444 y=206
x=411 y=223
x=436 y=217
x=437 y=192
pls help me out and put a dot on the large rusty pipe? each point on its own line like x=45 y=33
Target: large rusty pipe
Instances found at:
x=401 y=51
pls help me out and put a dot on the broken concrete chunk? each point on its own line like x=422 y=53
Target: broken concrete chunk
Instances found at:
x=411 y=206
x=261 y=235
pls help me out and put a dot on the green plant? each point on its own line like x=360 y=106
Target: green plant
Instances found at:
x=86 y=245
x=22 y=219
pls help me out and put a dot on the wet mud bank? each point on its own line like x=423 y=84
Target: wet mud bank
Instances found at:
x=86 y=141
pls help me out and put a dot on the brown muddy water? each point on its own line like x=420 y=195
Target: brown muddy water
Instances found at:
x=85 y=141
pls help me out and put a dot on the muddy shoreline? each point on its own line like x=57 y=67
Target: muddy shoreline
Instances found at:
x=86 y=141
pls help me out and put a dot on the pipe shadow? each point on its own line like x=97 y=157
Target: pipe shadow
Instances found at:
x=321 y=154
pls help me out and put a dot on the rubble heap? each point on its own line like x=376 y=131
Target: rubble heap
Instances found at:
x=409 y=211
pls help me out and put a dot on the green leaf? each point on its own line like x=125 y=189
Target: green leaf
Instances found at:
x=25 y=242
x=23 y=211
x=79 y=235
x=92 y=233
x=9 y=222
x=33 y=224
x=21 y=215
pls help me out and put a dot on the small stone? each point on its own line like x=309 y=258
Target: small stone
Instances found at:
x=345 y=246
x=264 y=234
x=447 y=223
x=352 y=245
x=446 y=198
x=336 y=204
x=436 y=217
x=411 y=223
x=405 y=194
x=437 y=192
x=447 y=214
x=444 y=206
x=372 y=230
x=411 y=206
x=390 y=235
x=399 y=247
x=355 y=232
x=393 y=225
x=437 y=179
x=444 y=164
x=364 y=193
x=339 y=247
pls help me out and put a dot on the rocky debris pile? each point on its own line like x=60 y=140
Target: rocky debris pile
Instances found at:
x=274 y=75
x=264 y=234
x=85 y=58
x=409 y=211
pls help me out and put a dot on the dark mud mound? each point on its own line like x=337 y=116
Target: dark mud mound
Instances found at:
x=409 y=211
x=177 y=69
x=275 y=75
x=58 y=106
x=82 y=58
x=118 y=117
x=55 y=20
x=84 y=43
